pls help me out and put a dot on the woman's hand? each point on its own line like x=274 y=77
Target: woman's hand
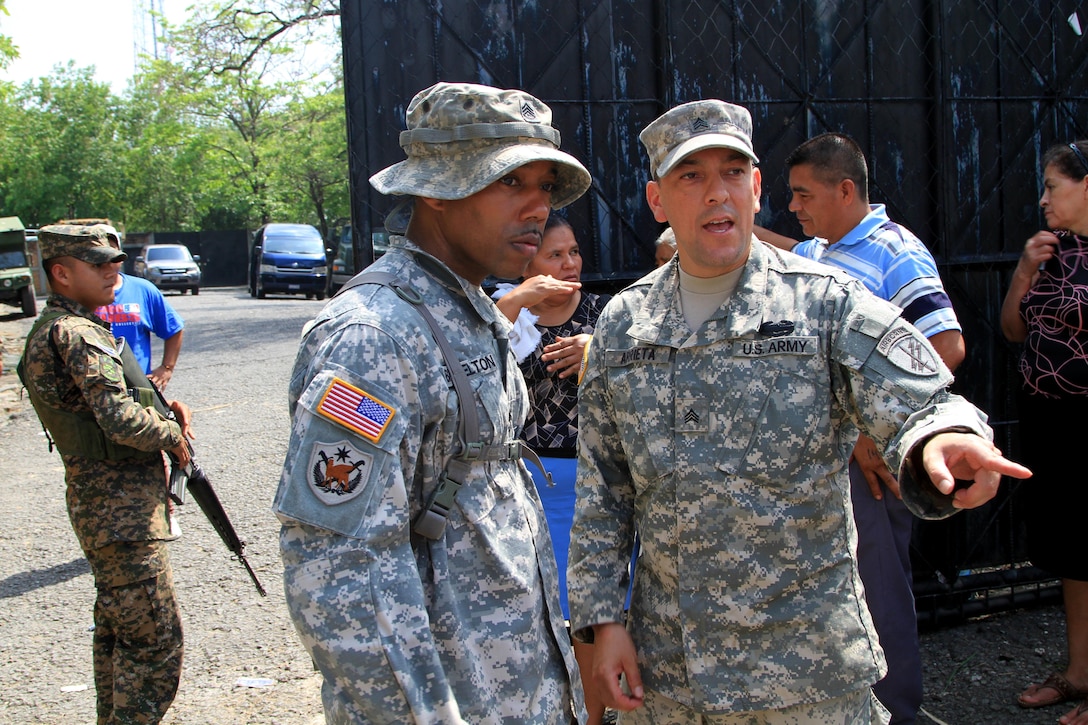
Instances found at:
x=565 y=354
x=533 y=291
x=1042 y=246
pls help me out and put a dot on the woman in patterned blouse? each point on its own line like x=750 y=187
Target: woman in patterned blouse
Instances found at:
x=1046 y=308
x=553 y=321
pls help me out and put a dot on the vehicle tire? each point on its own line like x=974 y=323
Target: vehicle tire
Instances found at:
x=309 y=295
x=195 y=291
x=320 y=295
x=29 y=304
x=260 y=290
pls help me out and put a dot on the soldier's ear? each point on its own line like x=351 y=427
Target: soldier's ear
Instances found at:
x=55 y=269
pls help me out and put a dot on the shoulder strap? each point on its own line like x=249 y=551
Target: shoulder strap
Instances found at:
x=432 y=520
x=468 y=428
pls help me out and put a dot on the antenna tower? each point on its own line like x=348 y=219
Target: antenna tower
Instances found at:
x=147 y=27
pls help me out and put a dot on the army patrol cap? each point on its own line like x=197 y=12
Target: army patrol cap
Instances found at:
x=695 y=126
x=112 y=235
x=461 y=137
x=89 y=243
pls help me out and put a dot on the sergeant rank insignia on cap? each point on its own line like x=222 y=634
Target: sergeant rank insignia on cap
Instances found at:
x=356 y=410
x=336 y=470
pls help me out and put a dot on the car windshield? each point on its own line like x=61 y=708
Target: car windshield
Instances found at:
x=168 y=254
x=307 y=242
x=14 y=258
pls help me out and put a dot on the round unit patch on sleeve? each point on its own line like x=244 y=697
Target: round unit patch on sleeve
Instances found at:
x=356 y=410
x=336 y=470
x=904 y=349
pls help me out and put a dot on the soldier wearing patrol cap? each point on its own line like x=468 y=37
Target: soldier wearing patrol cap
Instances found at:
x=722 y=396
x=112 y=452
x=417 y=562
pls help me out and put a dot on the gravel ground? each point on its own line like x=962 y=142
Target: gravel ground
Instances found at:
x=233 y=373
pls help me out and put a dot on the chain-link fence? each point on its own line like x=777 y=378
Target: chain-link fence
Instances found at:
x=953 y=103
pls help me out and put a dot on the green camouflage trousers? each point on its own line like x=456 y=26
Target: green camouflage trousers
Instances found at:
x=137 y=647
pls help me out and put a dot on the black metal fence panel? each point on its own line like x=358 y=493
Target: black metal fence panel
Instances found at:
x=954 y=103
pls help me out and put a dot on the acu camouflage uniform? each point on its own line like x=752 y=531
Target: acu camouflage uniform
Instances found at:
x=117 y=507
x=726 y=450
x=464 y=629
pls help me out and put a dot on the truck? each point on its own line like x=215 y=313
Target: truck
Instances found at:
x=16 y=282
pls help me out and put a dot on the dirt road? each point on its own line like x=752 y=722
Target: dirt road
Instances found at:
x=233 y=372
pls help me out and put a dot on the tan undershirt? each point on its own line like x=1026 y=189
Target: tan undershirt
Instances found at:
x=700 y=297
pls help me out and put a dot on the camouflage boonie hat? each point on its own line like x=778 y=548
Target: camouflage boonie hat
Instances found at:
x=461 y=137
x=695 y=126
x=90 y=244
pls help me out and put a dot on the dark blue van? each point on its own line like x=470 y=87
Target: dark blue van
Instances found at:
x=288 y=259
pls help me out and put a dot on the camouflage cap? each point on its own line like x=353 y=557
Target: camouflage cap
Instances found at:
x=112 y=235
x=89 y=243
x=695 y=126
x=461 y=137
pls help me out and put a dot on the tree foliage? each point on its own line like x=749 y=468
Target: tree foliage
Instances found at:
x=61 y=148
x=238 y=129
x=8 y=51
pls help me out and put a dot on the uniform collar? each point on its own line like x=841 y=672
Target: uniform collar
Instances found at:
x=660 y=320
x=69 y=305
x=446 y=277
x=877 y=217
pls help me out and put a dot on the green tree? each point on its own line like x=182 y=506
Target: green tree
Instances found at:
x=249 y=88
x=311 y=167
x=8 y=51
x=172 y=177
x=61 y=149
x=242 y=31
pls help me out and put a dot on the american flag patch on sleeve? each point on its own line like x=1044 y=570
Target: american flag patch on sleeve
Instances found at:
x=352 y=408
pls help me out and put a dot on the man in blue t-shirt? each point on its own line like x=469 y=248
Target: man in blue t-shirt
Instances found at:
x=139 y=309
x=829 y=181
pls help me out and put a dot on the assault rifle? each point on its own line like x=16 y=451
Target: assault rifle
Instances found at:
x=190 y=476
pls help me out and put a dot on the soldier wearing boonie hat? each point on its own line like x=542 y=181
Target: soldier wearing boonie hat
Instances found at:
x=113 y=466
x=88 y=243
x=461 y=137
x=720 y=399
x=439 y=607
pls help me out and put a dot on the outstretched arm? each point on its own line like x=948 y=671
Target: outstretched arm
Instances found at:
x=967 y=467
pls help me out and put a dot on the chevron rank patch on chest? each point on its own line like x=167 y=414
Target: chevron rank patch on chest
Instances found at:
x=356 y=410
x=336 y=470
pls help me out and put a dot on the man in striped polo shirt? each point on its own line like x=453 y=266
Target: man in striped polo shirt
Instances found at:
x=829 y=182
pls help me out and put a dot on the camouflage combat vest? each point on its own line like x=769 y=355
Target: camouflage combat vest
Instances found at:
x=75 y=434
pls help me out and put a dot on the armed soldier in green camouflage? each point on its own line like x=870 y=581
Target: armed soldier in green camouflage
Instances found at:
x=112 y=452
x=417 y=606
x=722 y=396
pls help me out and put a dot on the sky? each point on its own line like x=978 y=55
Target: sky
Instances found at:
x=90 y=32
